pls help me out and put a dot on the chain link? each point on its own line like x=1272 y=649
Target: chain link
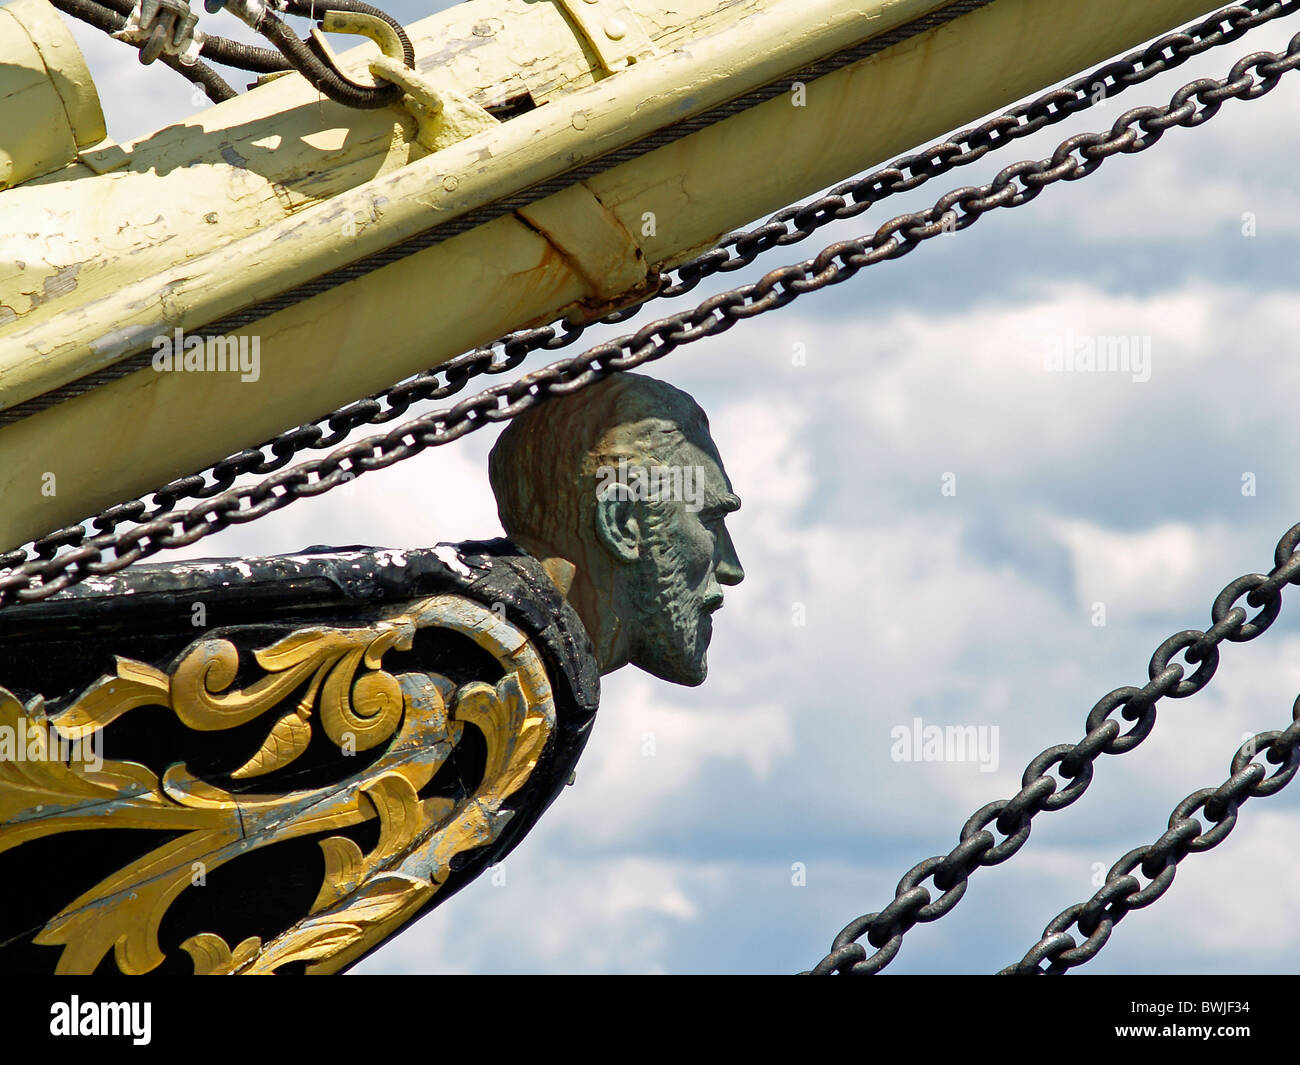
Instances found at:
x=735 y=251
x=1012 y=818
x=1135 y=131
x=1157 y=862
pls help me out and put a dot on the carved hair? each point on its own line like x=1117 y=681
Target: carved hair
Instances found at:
x=543 y=466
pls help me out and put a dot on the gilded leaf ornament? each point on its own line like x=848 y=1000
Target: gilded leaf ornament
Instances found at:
x=413 y=721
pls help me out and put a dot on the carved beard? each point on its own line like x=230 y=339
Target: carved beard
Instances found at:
x=671 y=632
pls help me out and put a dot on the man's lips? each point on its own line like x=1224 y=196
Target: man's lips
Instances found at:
x=713 y=604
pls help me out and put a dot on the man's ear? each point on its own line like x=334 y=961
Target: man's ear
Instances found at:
x=618 y=528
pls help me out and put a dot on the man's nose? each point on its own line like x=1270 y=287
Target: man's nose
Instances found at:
x=727 y=569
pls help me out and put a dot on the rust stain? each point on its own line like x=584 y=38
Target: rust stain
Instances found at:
x=555 y=263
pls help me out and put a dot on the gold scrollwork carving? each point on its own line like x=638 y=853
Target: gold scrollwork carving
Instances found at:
x=356 y=712
x=364 y=897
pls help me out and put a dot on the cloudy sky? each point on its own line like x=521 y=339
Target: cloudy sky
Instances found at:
x=968 y=608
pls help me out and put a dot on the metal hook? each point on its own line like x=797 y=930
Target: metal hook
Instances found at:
x=363 y=25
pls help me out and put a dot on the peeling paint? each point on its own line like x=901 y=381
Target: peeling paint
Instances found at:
x=117 y=341
x=60 y=283
x=448 y=555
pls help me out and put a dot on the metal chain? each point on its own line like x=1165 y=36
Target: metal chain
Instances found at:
x=734 y=251
x=446 y=380
x=1075 y=158
x=1012 y=818
x=1123 y=892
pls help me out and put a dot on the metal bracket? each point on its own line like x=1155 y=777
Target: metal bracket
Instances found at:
x=163 y=27
x=444 y=115
x=613 y=30
x=596 y=246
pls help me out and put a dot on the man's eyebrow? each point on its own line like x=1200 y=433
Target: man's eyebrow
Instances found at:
x=723 y=504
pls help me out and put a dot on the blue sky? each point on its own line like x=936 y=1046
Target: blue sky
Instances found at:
x=977 y=608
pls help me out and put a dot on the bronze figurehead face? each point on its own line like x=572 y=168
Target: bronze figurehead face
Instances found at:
x=623 y=482
x=684 y=558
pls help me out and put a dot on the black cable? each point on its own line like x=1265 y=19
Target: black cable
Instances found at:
x=222 y=50
x=213 y=84
x=325 y=79
x=290 y=51
x=104 y=18
x=244 y=56
x=97 y=15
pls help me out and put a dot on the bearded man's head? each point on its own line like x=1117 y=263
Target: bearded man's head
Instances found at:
x=622 y=480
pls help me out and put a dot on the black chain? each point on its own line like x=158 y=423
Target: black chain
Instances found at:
x=1012 y=818
x=1123 y=892
x=734 y=252
x=1077 y=157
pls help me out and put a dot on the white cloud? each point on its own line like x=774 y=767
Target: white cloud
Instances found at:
x=1152 y=566
x=971 y=390
x=759 y=440
x=557 y=915
x=645 y=749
